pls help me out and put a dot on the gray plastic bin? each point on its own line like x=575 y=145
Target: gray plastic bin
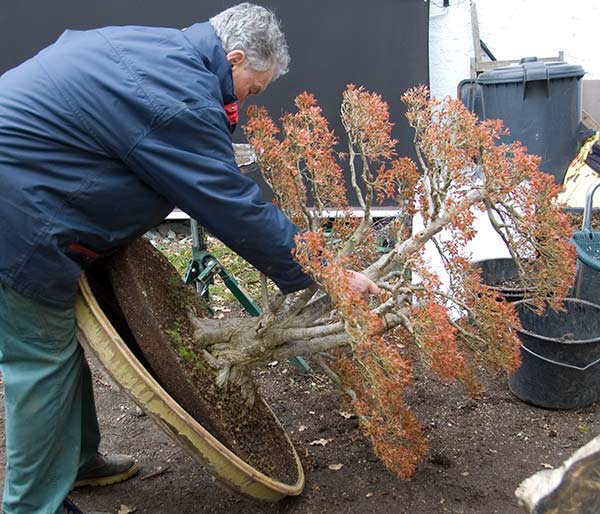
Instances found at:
x=539 y=102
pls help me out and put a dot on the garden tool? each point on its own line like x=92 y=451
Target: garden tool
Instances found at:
x=204 y=266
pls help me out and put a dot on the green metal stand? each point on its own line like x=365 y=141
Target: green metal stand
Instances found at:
x=202 y=269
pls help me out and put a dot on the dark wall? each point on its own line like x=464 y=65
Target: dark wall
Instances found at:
x=379 y=44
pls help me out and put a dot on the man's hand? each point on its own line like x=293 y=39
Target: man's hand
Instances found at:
x=363 y=284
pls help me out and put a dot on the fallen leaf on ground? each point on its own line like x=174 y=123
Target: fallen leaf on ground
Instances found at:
x=320 y=442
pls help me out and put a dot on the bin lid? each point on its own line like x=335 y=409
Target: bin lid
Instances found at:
x=530 y=69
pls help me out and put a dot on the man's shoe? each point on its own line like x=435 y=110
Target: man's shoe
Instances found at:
x=106 y=470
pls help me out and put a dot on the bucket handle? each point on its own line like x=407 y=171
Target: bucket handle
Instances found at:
x=589 y=206
x=563 y=364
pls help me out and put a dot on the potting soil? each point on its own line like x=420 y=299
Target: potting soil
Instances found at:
x=154 y=302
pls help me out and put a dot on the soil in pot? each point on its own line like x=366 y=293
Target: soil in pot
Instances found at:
x=150 y=296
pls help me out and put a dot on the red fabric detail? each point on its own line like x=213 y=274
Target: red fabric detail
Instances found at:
x=232 y=112
x=77 y=248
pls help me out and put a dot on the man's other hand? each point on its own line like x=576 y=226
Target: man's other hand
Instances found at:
x=363 y=284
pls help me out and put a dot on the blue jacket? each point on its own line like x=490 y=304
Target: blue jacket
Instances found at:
x=102 y=134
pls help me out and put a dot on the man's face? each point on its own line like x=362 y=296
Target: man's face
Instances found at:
x=246 y=82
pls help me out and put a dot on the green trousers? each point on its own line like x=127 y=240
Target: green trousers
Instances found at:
x=51 y=424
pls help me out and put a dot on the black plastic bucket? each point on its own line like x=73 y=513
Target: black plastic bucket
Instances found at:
x=498 y=274
x=560 y=356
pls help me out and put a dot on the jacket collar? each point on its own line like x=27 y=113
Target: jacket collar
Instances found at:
x=208 y=45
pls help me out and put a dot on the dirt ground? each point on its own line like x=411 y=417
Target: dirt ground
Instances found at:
x=480 y=451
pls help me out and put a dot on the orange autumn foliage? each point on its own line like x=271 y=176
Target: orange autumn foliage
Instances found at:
x=462 y=167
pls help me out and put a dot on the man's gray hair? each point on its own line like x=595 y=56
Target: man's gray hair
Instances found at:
x=256 y=31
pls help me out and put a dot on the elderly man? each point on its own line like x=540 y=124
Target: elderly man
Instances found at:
x=101 y=135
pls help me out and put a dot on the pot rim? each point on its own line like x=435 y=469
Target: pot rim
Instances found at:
x=119 y=363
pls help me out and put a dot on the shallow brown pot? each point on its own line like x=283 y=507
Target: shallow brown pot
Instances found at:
x=106 y=333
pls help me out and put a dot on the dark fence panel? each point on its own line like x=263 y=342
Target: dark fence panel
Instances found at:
x=381 y=44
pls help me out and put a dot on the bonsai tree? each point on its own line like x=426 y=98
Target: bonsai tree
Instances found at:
x=462 y=167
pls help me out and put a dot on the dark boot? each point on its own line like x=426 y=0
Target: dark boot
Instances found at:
x=106 y=470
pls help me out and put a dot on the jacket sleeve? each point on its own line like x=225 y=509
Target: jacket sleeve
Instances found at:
x=189 y=159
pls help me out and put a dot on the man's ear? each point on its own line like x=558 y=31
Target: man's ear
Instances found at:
x=236 y=58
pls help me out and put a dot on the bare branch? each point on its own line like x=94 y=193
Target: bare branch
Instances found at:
x=353 y=175
x=291 y=334
x=266 y=304
x=309 y=347
x=295 y=303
